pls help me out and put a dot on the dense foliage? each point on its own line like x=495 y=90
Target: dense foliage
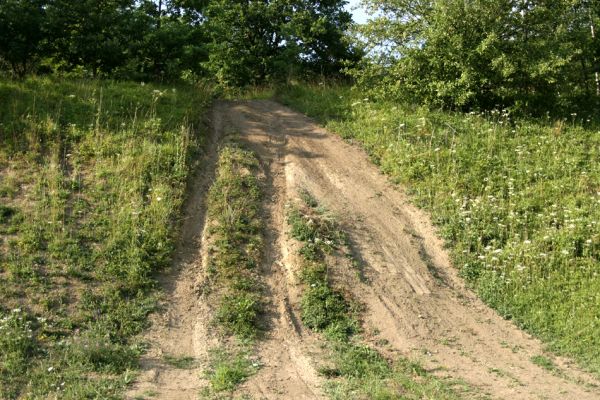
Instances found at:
x=254 y=40
x=238 y=42
x=528 y=55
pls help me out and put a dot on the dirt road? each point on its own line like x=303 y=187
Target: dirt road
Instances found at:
x=414 y=300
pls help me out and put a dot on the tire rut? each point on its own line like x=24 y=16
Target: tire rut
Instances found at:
x=413 y=296
x=414 y=299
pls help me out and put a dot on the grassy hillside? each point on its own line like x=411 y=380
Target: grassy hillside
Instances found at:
x=517 y=201
x=92 y=176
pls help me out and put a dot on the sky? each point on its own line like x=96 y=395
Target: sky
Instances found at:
x=358 y=13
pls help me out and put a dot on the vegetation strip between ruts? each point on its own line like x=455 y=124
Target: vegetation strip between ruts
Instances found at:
x=235 y=250
x=354 y=369
x=92 y=177
x=517 y=200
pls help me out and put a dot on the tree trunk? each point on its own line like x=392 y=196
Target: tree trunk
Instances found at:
x=594 y=58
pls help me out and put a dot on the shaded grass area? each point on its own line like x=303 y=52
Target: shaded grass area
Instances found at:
x=518 y=202
x=354 y=370
x=92 y=177
x=235 y=240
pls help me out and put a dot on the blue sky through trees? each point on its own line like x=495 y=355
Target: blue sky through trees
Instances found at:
x=358 y=13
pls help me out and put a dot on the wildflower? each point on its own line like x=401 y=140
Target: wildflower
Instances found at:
x=50 y=369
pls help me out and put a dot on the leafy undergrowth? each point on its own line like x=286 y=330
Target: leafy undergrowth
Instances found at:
x=517 y=201
x=92 y=177
x=234 y=253
x=354 y=369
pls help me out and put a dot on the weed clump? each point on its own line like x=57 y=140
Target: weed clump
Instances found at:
x=324 y=309
x=238 y=312
x=228 y=370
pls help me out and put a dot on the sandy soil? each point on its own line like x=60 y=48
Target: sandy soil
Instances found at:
x=414 y=300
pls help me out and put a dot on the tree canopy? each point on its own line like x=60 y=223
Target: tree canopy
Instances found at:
x=238 y=42
x=529 y=55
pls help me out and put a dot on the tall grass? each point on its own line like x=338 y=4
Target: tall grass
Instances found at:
x=518 y=202
x=92 y=176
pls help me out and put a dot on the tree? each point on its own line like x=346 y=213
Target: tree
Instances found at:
x=91 y=33
x=251 y=41
x=520 y=54
x=21 y=32
x=171 y=40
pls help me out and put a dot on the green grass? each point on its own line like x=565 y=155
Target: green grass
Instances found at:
x=228 y=370
x=181 y=362
x=92 y=177
x=353 y=369
x=543 y=362
x=235 y=247
x=518 y=202
x=235 y=236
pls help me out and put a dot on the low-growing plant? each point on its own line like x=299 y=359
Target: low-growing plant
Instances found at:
x=180 y=362
x=19 y=345
x=543 y=362
x=324 y=309
x=235 y=234
x=227 y=370
x=238 y=313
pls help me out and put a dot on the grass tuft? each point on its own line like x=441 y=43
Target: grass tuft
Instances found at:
x=228 y=370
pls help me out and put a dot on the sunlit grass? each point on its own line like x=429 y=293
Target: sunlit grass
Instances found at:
x=92 y=176
x=518 y=202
